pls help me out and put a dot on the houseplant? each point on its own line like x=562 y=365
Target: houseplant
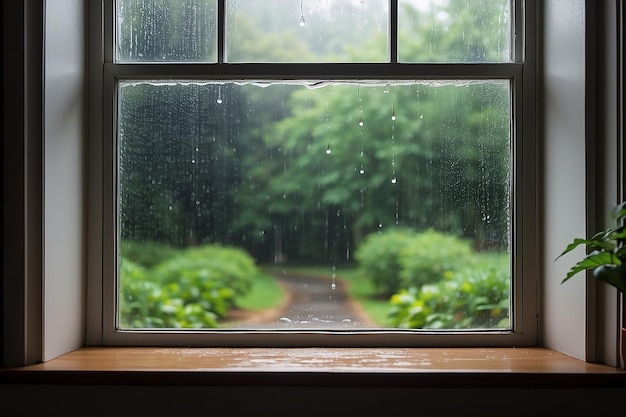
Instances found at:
x=606 y=256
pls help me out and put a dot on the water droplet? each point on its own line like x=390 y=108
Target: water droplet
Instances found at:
x=380 y=225
x=361 y=122
x=361 y=171
x=170 y=208
x=393 y=116
x=422 y=116
x=302 y=21
x=394 y=180
x=219 y=100
x=333 y=286
x=197 y=202
x=328 y=150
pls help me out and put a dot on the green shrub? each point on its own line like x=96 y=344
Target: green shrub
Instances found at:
x=379 y=259
x=190 y=290
x=145 y=303
x=402 y=259
x=474 y=298
x=427 y=256
x=146 y=254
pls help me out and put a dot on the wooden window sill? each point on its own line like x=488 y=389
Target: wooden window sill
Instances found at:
x=373 y=367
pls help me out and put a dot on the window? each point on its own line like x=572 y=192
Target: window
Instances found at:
x=319 y=134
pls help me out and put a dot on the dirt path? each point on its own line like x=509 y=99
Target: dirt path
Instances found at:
x=311 y=302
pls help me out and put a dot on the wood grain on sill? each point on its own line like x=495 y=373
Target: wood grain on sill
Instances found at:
x=385 y=367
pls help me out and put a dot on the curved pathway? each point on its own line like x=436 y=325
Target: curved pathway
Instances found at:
x=311 y=302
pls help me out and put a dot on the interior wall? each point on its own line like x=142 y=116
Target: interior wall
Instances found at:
x=565 y=186
x=64 y=96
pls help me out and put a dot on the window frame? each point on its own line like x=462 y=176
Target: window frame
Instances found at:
x=102 y=262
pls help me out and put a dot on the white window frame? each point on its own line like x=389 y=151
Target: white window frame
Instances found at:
x=102 y=263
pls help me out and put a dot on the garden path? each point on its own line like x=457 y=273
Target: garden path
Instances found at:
x=311 y=302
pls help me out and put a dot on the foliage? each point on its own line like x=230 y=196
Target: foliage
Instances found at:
x=252 y=170
x=430 y=255
x=190 y=290
x=379 y=259
x=403 y=259
x=606 y=253
x=146 y=254
x=472 y=298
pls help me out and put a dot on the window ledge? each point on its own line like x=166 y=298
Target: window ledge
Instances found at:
x=384 y=367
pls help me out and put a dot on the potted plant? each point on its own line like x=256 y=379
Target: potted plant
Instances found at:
x=606 y=256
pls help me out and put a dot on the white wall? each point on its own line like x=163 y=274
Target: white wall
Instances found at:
x=564 y=329
x=64 y=95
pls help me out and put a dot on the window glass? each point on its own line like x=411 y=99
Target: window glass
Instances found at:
x=166 y=31
x=454 y=31
x=307 y=31
x=314 y=204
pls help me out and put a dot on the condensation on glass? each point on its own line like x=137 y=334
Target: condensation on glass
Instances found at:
x=166 y=31
x=314 y=31
x=348 y=205
x=477 y=31
x=307 y=31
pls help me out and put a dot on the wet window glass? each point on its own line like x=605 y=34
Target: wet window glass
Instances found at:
x=476 y=31
x=307 y=31
x=166 y=30
x=314 y=204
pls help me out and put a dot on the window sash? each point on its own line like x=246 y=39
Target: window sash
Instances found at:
x=523 y=211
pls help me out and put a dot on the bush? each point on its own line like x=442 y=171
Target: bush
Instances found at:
x=474 y=298
x=379 y=259
x=403 y=259
x=146 y=254
x=190 y=290
x=427 y=256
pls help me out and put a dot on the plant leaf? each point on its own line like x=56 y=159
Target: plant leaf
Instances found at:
x=619 y=211
x=593 y=261
x=612 y=275
x=593 y=244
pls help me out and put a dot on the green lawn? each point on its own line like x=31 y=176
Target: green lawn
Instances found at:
x=265 y=293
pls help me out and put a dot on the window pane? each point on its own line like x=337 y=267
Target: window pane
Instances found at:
x=307 y=31
x=454 y=31
x=284 y=206
x=166 y=31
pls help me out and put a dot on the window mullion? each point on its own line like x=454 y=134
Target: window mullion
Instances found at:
x=393 y=28
x=221 y=30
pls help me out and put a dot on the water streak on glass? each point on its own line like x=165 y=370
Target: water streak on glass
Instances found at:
x=307 y=31
x=166 y=31
x=476 y=31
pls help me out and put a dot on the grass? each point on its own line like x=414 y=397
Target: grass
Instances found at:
x=265 y=293
x=363 y=291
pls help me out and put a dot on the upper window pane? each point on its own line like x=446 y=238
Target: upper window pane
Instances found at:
x=166 y=31
x=307 y=31
x=454 y=31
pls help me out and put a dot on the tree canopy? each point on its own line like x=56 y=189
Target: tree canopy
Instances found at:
x=287 y=172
